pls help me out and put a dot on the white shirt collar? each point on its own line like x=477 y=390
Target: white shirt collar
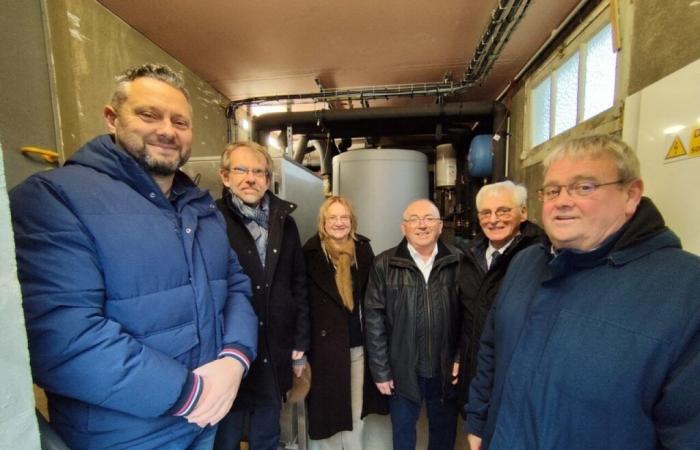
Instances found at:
x=490 y=249
x=424 y=266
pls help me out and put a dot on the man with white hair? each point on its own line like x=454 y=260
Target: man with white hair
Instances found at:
x=594 y=339
x=502 y=212
x=413 y=321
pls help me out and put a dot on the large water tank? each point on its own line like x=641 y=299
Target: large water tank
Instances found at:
x=380 y=183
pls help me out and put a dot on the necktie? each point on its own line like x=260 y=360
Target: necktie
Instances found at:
x=494 y=256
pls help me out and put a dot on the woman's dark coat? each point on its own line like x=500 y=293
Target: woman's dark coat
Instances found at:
x=279 y=300
x=329 y=398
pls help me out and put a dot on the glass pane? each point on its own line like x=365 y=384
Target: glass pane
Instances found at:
x=600 y=73
x=541 y=97
x=567 y=95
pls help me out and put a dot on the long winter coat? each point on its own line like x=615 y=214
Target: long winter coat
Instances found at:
x=396 y=293
x=124 y=294
x=279 y=300
x=594 y=350
x=329 y=403
x=478 y=287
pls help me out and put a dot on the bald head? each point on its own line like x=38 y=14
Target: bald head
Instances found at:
x=422 y=225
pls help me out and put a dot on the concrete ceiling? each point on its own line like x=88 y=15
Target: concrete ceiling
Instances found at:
x=271 y=47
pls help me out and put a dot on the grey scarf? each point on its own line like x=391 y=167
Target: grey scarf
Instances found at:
x=257 y=220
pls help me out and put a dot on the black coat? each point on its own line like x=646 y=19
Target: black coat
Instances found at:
x=395 y=292
x=478 y=288
x=329 y=401
x=279 y=300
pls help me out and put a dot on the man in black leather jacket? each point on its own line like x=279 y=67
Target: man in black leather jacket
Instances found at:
x=413 y=322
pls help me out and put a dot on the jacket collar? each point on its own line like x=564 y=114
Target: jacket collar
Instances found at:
x=529 y=232
x=402 y=257
x=644 y=233
x=103 y=155
x=278 y=208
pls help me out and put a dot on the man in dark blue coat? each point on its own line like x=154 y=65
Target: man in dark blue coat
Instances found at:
x=139 y=323
x=594 y=339
x=263 y=233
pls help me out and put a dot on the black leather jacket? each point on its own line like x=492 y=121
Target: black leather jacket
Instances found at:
x=395 y=293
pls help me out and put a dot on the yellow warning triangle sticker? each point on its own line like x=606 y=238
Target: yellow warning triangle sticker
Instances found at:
x=676 y=149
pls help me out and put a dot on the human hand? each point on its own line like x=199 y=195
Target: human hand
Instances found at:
x=455 y=373
x=474 y=442
x=386 y=387
x=221 y=380
x=298 y=369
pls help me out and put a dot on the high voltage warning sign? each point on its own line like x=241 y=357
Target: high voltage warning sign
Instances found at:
x=676 y=149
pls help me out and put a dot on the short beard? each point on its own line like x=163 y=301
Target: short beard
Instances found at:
x=155 y=167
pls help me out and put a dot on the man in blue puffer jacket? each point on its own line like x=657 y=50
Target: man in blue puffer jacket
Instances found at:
x=594 y=339
x=138 y=315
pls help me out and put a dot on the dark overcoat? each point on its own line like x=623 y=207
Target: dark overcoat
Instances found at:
x=279 y=300
x=478 y=287
x=329 y=401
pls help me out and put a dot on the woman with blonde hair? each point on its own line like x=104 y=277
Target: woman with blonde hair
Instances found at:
x=338 y=261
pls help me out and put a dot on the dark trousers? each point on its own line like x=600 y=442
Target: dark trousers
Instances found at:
x=442 y=417
x=263 y=432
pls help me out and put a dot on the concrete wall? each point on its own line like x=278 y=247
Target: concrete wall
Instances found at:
x=26 y=117
x=90 y=45
x=658 y=38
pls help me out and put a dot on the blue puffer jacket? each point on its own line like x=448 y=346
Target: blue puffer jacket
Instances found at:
x=124 y=294
x=597 y=350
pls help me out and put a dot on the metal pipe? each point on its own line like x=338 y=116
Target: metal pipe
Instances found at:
x=322 y=118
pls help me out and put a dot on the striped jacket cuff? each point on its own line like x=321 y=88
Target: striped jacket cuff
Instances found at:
x=189 y=397
x=237 y=353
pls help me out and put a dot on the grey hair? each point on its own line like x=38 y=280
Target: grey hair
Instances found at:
x=225 y=162
x=421 y=200
x=159 y=72
x=597 y=147
x=517 y=191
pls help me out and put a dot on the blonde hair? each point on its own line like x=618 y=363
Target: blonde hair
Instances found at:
x=599 y=146
x=225 y=161
x=324 y=210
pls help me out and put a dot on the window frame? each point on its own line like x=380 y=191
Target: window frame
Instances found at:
x=576 y=42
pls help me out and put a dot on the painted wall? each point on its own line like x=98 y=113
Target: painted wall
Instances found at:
x=26 y=116
x=18 y=426
x=658 y=38
x=90 y=45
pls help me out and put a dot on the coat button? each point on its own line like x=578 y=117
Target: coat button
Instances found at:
x=257 y=286
x=250 y=252
x=323 y=333
x=152 y=195
x=274 y=250
x=188 y=230
x=261 y=323
x=265 y=360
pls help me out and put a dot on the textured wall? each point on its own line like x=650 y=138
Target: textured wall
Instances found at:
x=26 y=117
x=90 y=45
x=665 y=40
x=18 y=427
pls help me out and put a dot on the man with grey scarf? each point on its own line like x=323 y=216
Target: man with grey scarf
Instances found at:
x=265 y=237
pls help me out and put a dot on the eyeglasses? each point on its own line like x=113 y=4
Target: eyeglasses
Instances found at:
x=580 y=189
x=243 y=171
x=335 y=219
x=428 y=220
x=501 y=213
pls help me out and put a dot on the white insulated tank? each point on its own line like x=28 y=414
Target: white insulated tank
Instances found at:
x=380 y=183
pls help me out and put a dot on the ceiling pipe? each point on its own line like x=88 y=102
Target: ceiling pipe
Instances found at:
x=504 y=20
